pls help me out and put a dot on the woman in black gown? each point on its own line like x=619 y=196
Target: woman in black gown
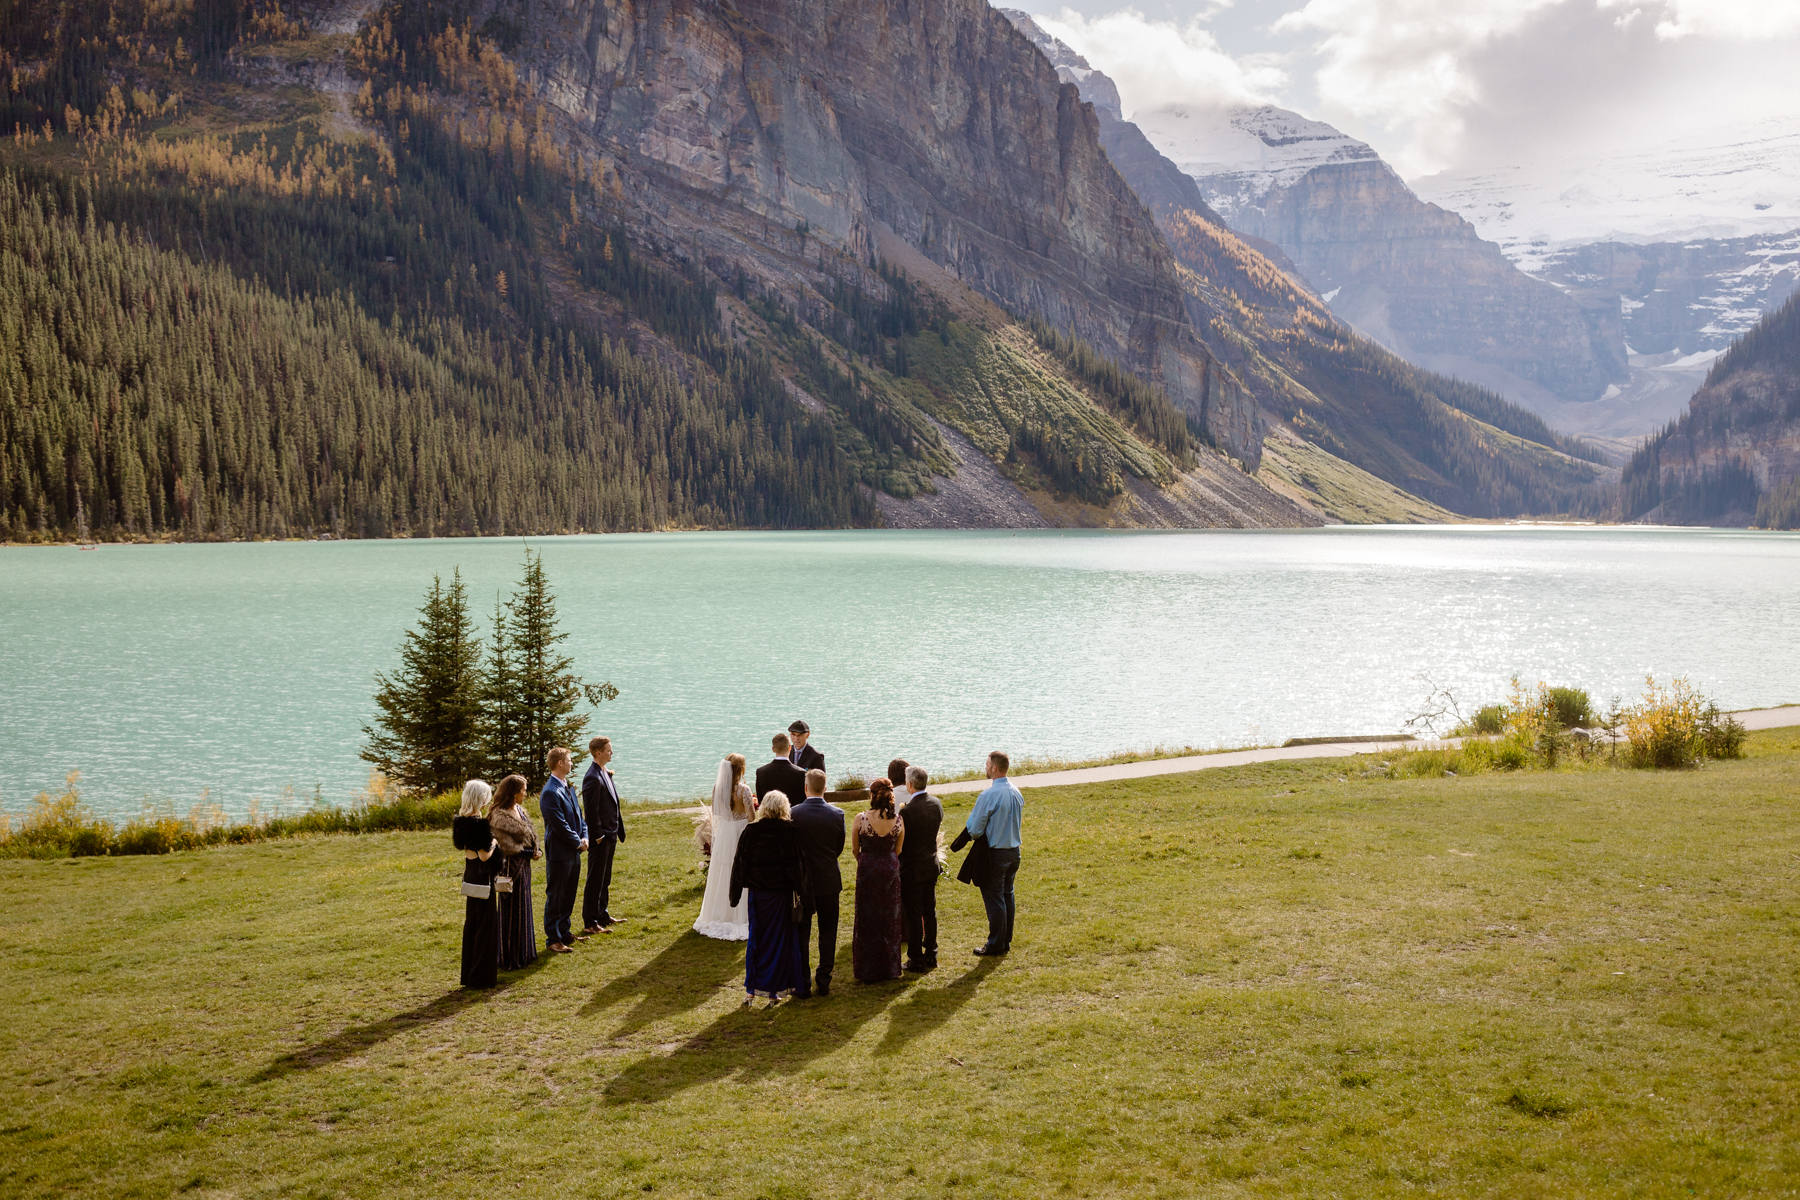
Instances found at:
x=471 y=833
x=875 y=839
x=518 y=843
x=768 y=866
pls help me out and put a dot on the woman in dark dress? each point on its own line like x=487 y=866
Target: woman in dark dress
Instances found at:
x=471 y=833
x=875 y=839
x=518 y=843
x=768 y=865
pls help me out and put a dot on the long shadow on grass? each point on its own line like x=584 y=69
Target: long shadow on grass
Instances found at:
x=755 y=1043
x=927 y=1008
x=685 y=975
x=358 y=1038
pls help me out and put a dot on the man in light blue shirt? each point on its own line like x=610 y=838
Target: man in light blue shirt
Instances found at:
x=997 y=817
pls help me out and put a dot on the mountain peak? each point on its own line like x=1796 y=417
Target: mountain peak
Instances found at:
x=1095 y=86
x=1247 y=150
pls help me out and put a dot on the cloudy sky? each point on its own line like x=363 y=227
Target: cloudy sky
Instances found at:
x=1459 y=84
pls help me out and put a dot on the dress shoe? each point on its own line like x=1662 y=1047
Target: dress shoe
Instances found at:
x=823 y=989
x=594 y=929
x=988 y=952
x=557 y=948
x=915 y=966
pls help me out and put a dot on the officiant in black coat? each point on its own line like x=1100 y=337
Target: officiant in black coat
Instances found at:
x=802 y=755
x=780 y=774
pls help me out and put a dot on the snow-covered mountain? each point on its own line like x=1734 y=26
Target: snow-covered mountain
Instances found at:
x=1245 y=153
x=1691 y=244
x=1736 y=184
x=1411 y=275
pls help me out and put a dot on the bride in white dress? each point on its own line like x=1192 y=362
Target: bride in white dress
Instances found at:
x=732 y=808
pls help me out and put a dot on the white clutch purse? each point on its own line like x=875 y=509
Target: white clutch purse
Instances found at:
x=477 y=891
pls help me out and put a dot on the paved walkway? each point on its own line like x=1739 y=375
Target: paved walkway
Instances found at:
x=1762 y=718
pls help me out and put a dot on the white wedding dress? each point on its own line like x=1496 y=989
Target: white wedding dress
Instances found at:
x=718 y=919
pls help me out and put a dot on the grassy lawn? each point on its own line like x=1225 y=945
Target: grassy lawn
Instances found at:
x=1290 y=979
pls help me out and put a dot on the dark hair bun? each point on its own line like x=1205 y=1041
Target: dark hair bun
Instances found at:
x=881 y=797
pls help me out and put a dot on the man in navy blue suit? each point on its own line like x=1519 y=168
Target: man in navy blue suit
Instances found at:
x=565 y=838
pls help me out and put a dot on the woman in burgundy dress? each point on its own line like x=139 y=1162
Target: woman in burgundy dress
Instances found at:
x=875 y=840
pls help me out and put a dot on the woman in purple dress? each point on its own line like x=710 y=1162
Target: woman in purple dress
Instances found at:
x=875 y=840
x=518 y=843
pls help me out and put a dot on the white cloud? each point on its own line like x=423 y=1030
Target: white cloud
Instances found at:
x=1401 y=66
x=1745 y=20
x=1157 y=62
x=1462 y=84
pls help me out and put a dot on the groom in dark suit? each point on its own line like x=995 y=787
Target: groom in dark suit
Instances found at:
x=806 y=757
x=821 y=829
x=606 y=831
x=780 y=774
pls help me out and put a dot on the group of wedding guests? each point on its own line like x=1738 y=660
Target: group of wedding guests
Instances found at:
x=774 y=868
x=493 y=830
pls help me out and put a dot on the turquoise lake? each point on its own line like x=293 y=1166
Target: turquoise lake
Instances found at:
x=169 y=673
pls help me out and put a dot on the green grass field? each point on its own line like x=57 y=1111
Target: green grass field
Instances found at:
x=1295 y=979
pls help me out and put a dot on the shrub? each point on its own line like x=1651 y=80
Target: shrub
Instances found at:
x=1488 y=720
x=87 y=841
x=1426 y=764
x=1676 y=727
x=1571 y=707
x=1721 y=734
x=61 y=826
x=1511 y=753
x=57 y=825
x=1477 y=757
x=1664 y=728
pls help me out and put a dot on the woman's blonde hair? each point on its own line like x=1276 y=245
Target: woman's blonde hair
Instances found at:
x=774 y=807
x=739 y=808
x=476 y=794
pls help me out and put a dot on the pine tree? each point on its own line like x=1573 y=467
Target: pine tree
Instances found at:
x=503 y=747
x=547 y=694
x=426 y=738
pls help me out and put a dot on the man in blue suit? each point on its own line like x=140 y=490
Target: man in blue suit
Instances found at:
x=565 y=839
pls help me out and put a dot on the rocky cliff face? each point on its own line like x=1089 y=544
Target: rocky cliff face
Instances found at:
x=1417 y=279
x=753 y=131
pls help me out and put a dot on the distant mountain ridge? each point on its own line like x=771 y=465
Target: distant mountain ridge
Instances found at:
x=1734 y=457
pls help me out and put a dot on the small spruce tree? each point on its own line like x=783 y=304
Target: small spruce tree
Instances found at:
x=532 y=698
x=427 y=738
x=503 y=749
